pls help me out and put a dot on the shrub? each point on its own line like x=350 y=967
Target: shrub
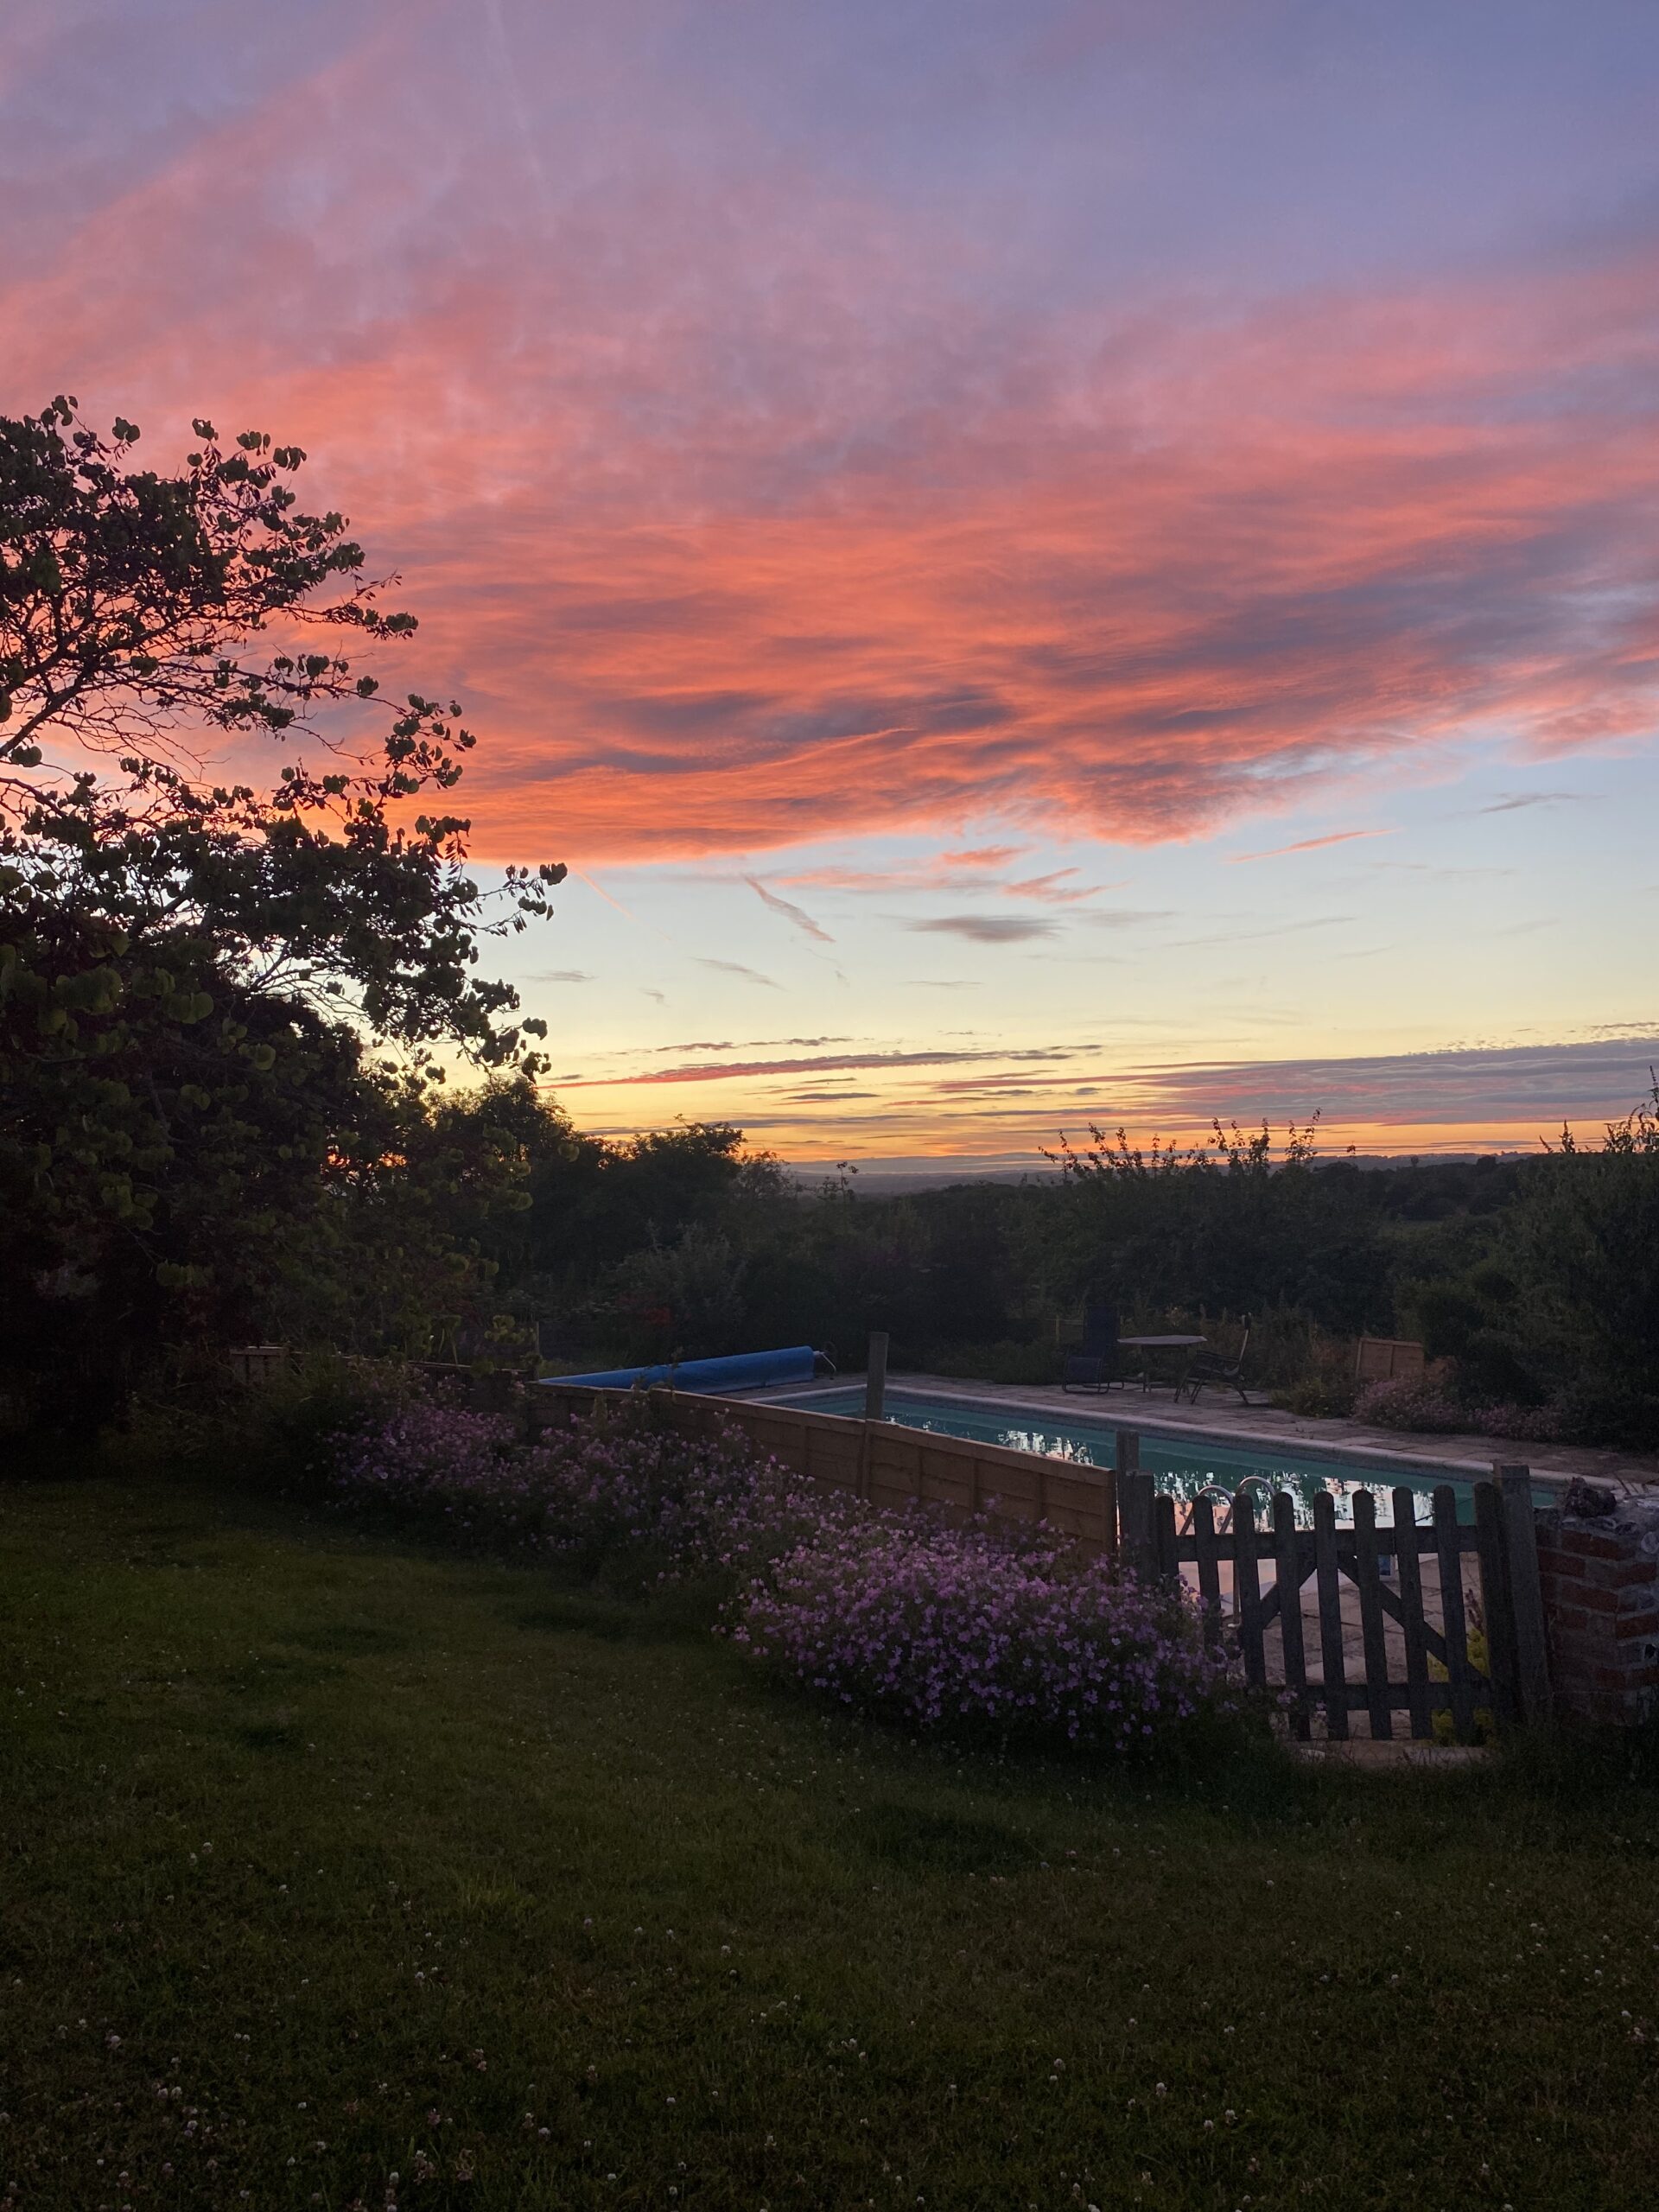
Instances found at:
x=1408 y=1401
x=626 y=1487
x=962 y=1631
x=1525 y=1424
x=995 y=1628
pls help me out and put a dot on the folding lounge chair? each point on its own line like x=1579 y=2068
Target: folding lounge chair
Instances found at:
x=1092 y=1365
x=1209 y=1367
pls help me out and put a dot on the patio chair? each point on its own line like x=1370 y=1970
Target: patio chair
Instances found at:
x=1211 y=1367
x=1092 y=1365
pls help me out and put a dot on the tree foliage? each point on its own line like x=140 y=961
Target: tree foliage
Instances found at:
x=1233 y=1224
x=193 y=965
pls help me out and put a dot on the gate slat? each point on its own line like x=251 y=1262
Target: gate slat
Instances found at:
x=1330 y=1588
x=1494 y=1600
x=1287 y=1553
x=1410 y=1572
x=1209 y=1556
x=1247 y=1582
x=1453 y=1623
x=1370 y=1612
x=1163 y=1531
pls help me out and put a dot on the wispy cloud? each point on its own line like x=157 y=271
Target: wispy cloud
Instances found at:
x=562 y=975
x=983 y=856
x=736 y=968
x=984 y=929
x=1053 y=889
x=1309 y=845
x=729 y=1070
x=748 y=1044
x=1222 y=938
x=801 y=920
x=973 y=872
x=1517 y=800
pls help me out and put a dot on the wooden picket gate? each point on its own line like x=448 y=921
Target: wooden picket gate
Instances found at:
x=1402 y=1644
x=1431 y=1667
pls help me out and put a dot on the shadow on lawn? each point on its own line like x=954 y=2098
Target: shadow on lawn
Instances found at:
x=900 y=1835
x=582 y=1611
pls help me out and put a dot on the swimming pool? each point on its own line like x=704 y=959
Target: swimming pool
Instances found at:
x=1180 y=1465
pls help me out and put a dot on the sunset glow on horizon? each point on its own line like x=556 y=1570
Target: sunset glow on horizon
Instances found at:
x=1040 y=565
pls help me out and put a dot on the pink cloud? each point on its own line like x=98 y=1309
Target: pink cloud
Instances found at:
x=731 y=509
x=1308 y=845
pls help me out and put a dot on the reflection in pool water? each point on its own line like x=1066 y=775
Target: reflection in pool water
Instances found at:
x=1181 y=1466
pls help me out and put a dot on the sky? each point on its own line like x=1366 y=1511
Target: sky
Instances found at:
x=1039 y=563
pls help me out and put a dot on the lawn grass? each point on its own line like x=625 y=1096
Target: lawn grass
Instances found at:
x=328 y=1862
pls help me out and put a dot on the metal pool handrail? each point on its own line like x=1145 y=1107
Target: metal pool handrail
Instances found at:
x=1227 y=1497
x=1210 y=1490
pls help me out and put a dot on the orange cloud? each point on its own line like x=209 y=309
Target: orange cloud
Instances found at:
x=930 y=1104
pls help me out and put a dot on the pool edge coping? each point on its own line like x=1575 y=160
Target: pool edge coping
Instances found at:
x=1352 y=1455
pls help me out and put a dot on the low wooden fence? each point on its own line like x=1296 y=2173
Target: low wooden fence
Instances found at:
x=1394 y=1630
x=888 y=1464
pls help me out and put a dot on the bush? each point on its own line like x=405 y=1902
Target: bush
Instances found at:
x=1603 y=1413
x=1524 y=1424
x=994 y=1629
x=970 y=1633
x=626 y=1488
x=1009 y=1360
x=1408 y=1401
x=966 y=1631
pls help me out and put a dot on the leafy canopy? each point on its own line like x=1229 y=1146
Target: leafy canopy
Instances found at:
x=146 y=619
x=191 y=961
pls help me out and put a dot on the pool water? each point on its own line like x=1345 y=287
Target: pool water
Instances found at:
x=1181 y=1466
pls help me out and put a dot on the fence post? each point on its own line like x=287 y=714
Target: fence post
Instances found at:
x=1134 y=1505
x=875 y=1375
x=1526 y=1592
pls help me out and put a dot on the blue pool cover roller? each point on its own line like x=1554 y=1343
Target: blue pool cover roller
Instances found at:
x=745 y=1370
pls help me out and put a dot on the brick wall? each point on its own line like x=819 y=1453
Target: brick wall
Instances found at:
x=1600 y=1577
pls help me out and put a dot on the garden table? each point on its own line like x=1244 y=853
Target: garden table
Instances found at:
x=1177 y=1348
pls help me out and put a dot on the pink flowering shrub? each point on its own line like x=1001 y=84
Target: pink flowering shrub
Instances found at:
x=1407 y=1401
x=995 y=1630
x=958 y=1631
x=627 y=1486
x=1527 y=1424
